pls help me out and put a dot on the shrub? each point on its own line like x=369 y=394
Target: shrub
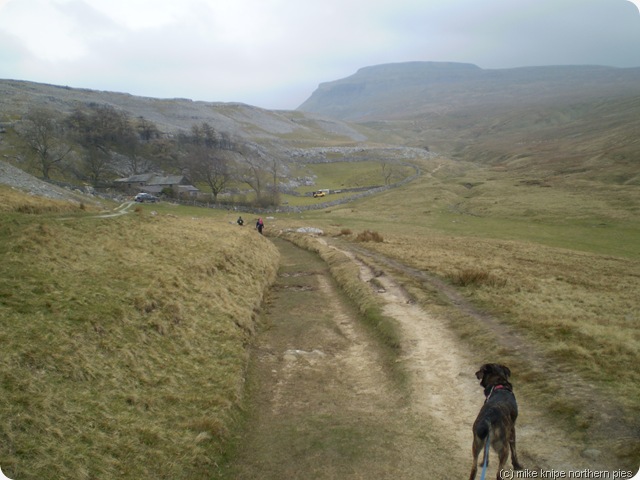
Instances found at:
x=369 y=236
x=475 y=277
x=345 y=231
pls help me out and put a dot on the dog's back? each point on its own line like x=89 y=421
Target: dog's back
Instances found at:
x=497 y=418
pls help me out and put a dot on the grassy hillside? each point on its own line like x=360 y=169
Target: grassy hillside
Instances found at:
x=123 y=339
x=462 y=198
x=590 y=140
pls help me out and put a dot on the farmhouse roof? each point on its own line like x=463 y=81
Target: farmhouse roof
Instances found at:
x=150 y=179
x=141 y=178
x=168 y=180
x=188 y=188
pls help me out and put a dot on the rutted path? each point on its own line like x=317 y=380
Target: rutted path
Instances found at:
x=547 y=446
x=445 y=387
x=324 y=406
x=122 y=209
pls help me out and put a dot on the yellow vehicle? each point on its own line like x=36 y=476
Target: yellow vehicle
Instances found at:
x=319 y=194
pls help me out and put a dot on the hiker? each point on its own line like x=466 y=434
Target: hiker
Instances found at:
x=260 y=225
x=240 y=221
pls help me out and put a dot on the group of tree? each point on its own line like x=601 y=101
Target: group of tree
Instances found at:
x=215 y=159
x=98 y=143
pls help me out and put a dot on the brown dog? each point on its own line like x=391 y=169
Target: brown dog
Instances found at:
x=497 y=418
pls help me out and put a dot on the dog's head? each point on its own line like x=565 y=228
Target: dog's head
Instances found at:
x=491 y=374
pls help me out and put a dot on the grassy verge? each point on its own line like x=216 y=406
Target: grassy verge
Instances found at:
x=123 y=340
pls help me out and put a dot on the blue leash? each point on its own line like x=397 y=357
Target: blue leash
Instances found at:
x=486 y=458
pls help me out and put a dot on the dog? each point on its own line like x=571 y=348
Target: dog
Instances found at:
x=496 y=422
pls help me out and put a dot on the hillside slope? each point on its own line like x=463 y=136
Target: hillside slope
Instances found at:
x=267 y=127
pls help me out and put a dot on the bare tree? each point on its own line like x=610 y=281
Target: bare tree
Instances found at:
x=163 y=153
x=96 y=166
x=211 y=166
x=43 y=136
x=147 y=130
x=131 y=163
x=251 y=171
x=138 y=150
x=106 y=136
x=274 y=167
x=389 y=173
x=210 y=156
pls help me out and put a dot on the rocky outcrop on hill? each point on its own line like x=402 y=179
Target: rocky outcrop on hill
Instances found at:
x=359 y=153
x=19 y=179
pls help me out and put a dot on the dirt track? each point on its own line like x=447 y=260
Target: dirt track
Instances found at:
x=446 y=388
x=324 y=406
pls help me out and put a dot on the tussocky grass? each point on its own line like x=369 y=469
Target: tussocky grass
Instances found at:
x=123 y=340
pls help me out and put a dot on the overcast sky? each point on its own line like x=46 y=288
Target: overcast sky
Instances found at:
x=274 y=53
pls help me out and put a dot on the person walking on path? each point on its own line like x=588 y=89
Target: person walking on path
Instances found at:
x=260 y=225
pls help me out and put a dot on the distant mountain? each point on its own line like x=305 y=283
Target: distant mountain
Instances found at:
x=405 y=90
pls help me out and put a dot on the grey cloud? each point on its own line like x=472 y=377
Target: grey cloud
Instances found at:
x=276 y=61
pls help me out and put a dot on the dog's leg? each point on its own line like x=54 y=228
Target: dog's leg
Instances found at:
x=503 y=454
x=512 y=445
x=475 y=451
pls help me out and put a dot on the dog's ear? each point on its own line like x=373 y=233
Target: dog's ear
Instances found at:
x=483 y=369
x=506 y=371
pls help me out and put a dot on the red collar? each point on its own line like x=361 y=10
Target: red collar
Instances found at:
x=495 y=387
